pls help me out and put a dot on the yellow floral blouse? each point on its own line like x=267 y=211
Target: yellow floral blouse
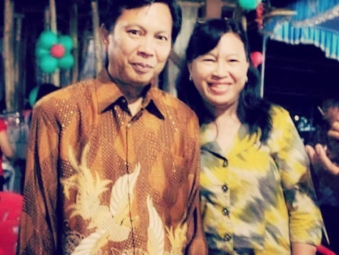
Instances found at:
x=258 y=198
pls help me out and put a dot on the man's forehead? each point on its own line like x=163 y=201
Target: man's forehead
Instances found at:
x=155 y=15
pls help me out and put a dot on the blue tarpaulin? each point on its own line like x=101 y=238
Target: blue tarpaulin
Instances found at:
x=316 y=22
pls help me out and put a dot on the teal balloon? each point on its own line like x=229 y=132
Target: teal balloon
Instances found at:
x=47 y=39
x=33 y=96
x=249 y=4
x=41 y=52
x=66 y=62
x=66 y=41
x=48 y=64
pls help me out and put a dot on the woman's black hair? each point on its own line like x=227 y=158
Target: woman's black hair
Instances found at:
x=252 y=109
x=116 y=8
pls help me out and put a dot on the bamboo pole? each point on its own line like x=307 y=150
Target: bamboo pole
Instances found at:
x=18 y=88
x=53 y=23
x=8 y=55
x=74 y=35
x=43 y=77
x=96 y=34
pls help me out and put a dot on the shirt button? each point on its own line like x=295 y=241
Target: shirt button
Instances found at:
x=115 y=107
x=227 y=237
x=129 y=125
x=225 y=212
x=224 y=188
x=225 y=163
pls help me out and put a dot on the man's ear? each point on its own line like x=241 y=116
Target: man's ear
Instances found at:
x=104 y=33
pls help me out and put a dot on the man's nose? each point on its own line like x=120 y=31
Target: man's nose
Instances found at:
x=146 y=46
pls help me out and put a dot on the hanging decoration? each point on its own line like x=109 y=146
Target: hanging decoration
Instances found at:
x=249 y=5
x=256 y=58
x=54 y=52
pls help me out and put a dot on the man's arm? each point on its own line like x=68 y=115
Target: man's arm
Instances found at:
x=197 y=244
x=38 y=229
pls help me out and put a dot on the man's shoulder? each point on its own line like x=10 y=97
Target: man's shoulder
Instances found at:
x=70 y=96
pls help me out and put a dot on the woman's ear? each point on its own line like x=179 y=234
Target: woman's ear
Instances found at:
x=189 y=66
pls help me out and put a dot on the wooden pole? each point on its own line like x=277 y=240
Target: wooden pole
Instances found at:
x=96 y=35
x=213 y=9
x=18 y=82
x=53 y=23
x=8 y=56
x=74 y=35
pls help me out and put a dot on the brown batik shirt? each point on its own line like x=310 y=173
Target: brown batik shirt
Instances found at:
x=99 y=181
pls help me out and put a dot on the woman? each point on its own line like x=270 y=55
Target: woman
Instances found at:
x=5 y=150
x=256 y=192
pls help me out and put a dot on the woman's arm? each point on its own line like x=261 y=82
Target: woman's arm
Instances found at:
x=303 y=249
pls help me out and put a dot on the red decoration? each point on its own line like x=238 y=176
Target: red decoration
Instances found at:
x=58 y=51
x=256 y=58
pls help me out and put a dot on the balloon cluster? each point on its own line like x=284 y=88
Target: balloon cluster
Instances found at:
x=54 y=52
x=249 y=5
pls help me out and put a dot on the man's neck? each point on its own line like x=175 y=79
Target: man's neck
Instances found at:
x=135 y=106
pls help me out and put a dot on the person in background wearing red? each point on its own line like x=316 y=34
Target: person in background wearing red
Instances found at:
x=5 y=150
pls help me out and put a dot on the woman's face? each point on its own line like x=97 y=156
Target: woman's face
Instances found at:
x=220 y=75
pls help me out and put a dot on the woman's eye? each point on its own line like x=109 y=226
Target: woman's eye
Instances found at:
x=233 y=60
x=208 y=60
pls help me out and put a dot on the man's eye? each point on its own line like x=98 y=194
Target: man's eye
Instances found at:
x=162 y=37
x=133 y=32
x=208 y=60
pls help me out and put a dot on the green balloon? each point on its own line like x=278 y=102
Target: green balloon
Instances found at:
x=47 y=39
x=249 y=4
x=66 y=62
x=33 y=96
x=41 y=52
x=48 y=64
x=66 y=41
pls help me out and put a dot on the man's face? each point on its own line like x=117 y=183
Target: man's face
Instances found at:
x=139 y=45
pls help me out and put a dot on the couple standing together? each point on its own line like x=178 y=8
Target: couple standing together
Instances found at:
x=117 y=166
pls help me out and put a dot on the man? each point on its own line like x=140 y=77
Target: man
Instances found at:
x=112 y=163
x=324 y=157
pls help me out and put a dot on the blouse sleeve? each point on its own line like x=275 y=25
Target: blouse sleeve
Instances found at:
x=39 y=224
x=304 y=215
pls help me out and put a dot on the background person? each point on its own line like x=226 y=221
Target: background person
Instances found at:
x=324 y=156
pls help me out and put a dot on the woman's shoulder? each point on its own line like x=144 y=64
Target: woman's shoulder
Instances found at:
x=279 y=112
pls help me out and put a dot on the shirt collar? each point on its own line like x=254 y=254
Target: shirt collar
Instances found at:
x=108 y=93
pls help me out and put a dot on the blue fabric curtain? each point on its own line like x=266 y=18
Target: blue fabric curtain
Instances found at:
x=316 y=22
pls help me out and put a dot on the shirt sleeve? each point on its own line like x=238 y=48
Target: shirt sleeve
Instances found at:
x=196 y=238
x=38 y=228
x=305 y=219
